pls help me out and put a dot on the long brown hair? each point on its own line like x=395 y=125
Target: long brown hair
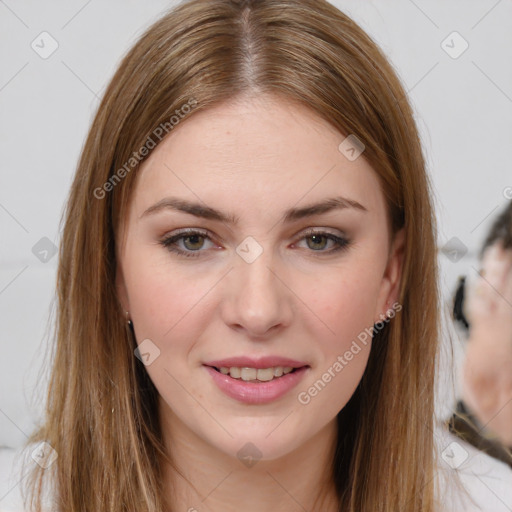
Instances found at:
x=101 y=415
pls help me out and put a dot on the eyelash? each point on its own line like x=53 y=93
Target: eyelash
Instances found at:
x=169 y=242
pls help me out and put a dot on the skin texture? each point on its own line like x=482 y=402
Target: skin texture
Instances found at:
x=255 y=158
x=487 y=372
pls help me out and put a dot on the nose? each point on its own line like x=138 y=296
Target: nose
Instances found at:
x=257 y=299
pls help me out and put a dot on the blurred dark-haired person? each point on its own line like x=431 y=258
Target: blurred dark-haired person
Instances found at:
x=484 y=308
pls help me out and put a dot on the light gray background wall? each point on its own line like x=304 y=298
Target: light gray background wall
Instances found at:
x=463 y=102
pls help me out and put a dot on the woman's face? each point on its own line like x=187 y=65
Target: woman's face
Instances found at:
x=270 y=273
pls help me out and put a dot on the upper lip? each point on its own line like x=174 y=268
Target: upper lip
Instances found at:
x=258 y=363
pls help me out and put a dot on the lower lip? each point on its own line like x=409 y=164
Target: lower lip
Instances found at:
x=255 y=392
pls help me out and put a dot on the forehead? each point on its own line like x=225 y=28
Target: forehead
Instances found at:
x=257 y=155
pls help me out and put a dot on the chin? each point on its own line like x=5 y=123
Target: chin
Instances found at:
x=258 y=447
x=263 y=438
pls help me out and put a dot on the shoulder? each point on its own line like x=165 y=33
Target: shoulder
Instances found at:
x=469 y=479
x=10 y=480
x=15 y=464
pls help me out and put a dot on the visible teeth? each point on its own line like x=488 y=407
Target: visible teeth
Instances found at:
x=248 y=373
x=236 y=373
x=278 y=371
x=265 y=375
x=251 y=374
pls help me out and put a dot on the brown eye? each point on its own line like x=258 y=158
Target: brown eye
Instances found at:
x=193 y=242
x=318 y=241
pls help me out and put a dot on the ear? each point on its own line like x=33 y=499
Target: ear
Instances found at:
x=390 y=285
x=122 y=295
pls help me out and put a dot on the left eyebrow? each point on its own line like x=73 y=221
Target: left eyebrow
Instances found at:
x=290 y=215
x=334 y=203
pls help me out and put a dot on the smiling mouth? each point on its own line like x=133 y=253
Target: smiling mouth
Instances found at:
x=256 y=374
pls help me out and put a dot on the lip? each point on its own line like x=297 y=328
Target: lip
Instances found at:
x=257 y=392
x=258 y=363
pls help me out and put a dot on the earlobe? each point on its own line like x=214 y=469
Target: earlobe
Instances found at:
x=390 y=286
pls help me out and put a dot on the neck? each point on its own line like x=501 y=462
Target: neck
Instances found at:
x=206 y=479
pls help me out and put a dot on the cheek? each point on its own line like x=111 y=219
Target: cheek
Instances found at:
x=170 y=308
x=346 y=305
x=166 y=300
x=345 y=300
